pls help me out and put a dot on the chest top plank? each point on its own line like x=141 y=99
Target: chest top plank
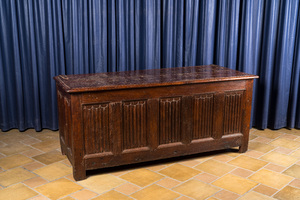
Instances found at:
x=148 y=78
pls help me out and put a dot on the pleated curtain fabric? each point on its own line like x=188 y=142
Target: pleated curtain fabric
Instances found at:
x=45 y=38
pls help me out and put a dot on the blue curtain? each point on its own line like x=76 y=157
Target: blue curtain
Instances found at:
x=41 y=39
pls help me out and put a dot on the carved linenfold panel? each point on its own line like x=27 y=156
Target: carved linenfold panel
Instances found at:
x=169 y=120
x=203 y=115
x=96 y=128
x=134 y=124
x=233 y=112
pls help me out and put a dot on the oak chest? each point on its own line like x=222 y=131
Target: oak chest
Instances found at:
x=118 y=118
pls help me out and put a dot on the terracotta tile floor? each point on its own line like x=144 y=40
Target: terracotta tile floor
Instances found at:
x=32 y=167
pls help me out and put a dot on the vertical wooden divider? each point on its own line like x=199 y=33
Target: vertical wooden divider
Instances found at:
x=246 y=116
x=79 y=172
x=152 y=123
x=115 y=111
x=187 y=119
x=218 y=125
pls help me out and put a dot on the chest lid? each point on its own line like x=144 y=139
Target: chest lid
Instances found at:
x=148 y=78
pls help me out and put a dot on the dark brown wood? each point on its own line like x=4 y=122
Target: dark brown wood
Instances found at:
x=111 y=119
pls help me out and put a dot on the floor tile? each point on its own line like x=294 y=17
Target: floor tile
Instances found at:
x=256 y=196
x=84 y=194
x=293 y=171
x=235 y=184
x=222 y=158
x=261 y=147
x=226 y=195
x=128 y=188
x=266 y=190
x=14 y=161
x=286 y=143
x=203 y=158
x=262 y=140
x=289 y=136
x=112 y=195
x=14 y=148
x=58 y=188
x=275 y=168
x=254 y=154
x=14 y=176
x=101 y=183
x=190 y=163
x=288 y=193
x=30 y=141
x=67 y=198
x=155 y=192
x=157 y=167
x=283 y=150
x=290 y=131
x=44 y=135
x=296 y=153
x=66 y=162
x=2 y=144
x=32 y=152
x=207 y=178
x=268 y=133
x=70 y=177
x=168 y=183
x=279 y=159
x=120 y=172
x=53 y=171
x=196 y=189
x=232 y=154
x=180 y=172
x=17 y=192
x=184 y=198
x=212 y=198
x=295 y=183
x=242 y=172
x=215 y=167
x=141 y=177
x=48 y=145
x=270 y=178
x=34 y=182
x=39 y=197
x=50 y=157
x=33 y=166
x=252 y=136
x=13 y=138
x=248 y=163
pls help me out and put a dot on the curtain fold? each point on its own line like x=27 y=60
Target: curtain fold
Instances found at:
x=31 y=54
x=41 y=39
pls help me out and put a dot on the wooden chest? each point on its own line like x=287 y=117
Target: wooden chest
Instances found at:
x=118 y=118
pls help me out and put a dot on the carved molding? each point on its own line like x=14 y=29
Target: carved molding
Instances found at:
x=203 y=115
x=169 y=120
x=233 y=112
x=134 y=124
x=96 y=128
